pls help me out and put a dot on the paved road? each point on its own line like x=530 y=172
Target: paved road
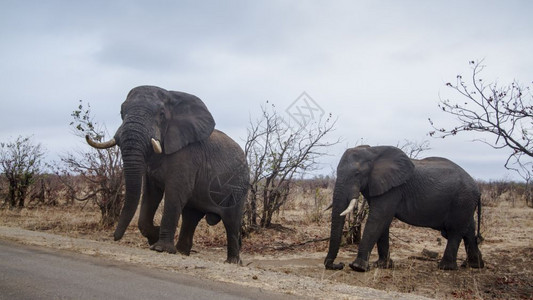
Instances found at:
x=39 y=273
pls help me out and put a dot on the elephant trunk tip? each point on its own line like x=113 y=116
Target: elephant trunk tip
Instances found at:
x=118 y=235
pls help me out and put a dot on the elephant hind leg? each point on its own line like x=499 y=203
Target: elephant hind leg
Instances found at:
x=384 y=261
x=233 y=235
x=449 y=259
x=190 y=220
x=474 y=258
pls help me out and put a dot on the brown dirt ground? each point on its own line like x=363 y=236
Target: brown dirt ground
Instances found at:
x=292 y=250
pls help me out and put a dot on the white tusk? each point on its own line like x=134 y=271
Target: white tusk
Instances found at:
x=157 y=146
x=350 y=208
x=99 y=145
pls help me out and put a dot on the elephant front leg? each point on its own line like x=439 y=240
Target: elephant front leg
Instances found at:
x=191 y=217
x=169 y=221
x=150 y=202
x=376 y=228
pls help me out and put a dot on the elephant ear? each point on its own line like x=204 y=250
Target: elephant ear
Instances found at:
x=391 y=168
x=190 y=121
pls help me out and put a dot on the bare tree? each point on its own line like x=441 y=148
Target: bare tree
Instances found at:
x=276 y=154
x=20 y=161
x=46 y=190
x=504 y=113
x=413 y=148
x=99 y=175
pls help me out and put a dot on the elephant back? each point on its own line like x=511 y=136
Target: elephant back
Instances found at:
x=436 y=169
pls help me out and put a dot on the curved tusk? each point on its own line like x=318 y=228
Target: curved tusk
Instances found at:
x=350 y=208
x=99 y=145
x=157 y=146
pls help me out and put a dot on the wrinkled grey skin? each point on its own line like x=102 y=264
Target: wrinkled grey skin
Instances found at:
x=201 y=171
x=432 y=192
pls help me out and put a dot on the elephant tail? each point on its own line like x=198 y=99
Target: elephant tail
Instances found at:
x=479 y=237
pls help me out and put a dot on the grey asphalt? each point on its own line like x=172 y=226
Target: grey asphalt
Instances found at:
x=40 y=273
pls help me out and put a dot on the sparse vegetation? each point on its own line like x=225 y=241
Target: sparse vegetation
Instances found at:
x=495 y=192
x=299 y=246
x=276 y=153
x=20 y=162
x=93 y=174
x=46 y=190
x=291 y=209
x=298 y=243
x=502 y=112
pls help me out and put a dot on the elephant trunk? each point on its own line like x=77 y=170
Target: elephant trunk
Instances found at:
x=134 y=149
x=341 y=199
x=133 y=175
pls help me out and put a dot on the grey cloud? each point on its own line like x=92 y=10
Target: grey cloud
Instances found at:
x=377 y=65
x=143 y=55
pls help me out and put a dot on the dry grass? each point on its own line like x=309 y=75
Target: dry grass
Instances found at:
x=294 y=247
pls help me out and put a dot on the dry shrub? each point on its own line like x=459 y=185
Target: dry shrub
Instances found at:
x=71 y=220
x=296 y=245
x=315 y=211
x=496 y=193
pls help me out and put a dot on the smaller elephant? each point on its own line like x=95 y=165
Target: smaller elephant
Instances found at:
x=433 y=192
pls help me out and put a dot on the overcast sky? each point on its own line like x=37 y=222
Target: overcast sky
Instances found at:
x=380 y=67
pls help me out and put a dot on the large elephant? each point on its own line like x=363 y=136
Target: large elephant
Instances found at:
x=432 y=192
x=168 y=138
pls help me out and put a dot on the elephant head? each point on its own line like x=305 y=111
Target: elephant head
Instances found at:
x=154 y=121
x=370 y=170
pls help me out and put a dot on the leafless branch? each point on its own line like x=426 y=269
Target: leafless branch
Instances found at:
x=99 y=172
x=503 y=112
x=276 y=153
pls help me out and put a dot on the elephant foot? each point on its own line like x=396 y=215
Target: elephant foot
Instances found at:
x=360 y=265
x=152 y=240
x=161 y=246
x=446 y=265
x=383 y=264
x=152 y=235
x=474 y=262
x=184 y=250
x=331 y=266
x=234 y=260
